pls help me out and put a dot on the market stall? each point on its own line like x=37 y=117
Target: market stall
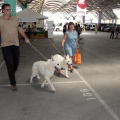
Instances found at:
x=28 y=17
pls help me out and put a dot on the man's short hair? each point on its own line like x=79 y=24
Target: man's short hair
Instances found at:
x=4 y=5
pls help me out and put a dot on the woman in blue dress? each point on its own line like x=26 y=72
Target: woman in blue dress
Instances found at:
x=70 y=41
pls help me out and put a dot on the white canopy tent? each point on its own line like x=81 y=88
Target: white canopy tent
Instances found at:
x=28 y=15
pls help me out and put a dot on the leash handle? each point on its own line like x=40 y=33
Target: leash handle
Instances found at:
x=38 y=51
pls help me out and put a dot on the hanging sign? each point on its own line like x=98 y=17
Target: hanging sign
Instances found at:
x=81 y=7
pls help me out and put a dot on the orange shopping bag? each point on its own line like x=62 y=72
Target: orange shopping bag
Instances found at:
x=77 y=57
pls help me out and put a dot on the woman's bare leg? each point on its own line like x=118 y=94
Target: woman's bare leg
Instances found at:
x=71 y=57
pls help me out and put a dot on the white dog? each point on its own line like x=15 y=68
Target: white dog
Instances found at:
x=46 y=69
x=65 y=62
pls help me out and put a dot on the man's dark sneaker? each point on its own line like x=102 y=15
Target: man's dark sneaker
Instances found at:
x=14 y=88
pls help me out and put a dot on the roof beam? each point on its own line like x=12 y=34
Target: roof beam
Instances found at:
x=41 y=7
x=96 y=9
x=109 y=5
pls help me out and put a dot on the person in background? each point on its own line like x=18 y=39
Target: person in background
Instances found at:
x=24 y=26
x=79 y=32
x=83 y=28
x=29 y=31
x=10 y=43
x=117 y=32
x=35 y=30
x=70 y=42
x=96 y=29
x=112 y=31
x=76 y=26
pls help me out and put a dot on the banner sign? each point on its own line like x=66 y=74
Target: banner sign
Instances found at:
x=81 y=7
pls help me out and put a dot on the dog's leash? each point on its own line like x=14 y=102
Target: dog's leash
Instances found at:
x=63 y=50
x=38 y=51
x=57 y=48
x=53 y=46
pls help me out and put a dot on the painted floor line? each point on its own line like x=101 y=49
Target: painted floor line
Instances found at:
x=69 y=82
x=110 y=111
x=2 y=64
x=91 y=98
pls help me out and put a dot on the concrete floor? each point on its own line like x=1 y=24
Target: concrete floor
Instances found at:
x=91 y=93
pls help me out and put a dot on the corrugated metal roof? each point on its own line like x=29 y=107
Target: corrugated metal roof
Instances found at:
x=69 y=6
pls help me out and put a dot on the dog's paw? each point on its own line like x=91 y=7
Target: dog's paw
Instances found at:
x=38 y=77
x=67 y=76
x=42 y=86
x=53 y=90
x=31 y=82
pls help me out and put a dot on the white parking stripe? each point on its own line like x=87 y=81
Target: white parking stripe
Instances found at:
x=2 y=64
x=68 y=82
x=110 y=111
x=91 y=98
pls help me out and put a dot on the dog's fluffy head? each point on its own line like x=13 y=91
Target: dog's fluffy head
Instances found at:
x=68 y=61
